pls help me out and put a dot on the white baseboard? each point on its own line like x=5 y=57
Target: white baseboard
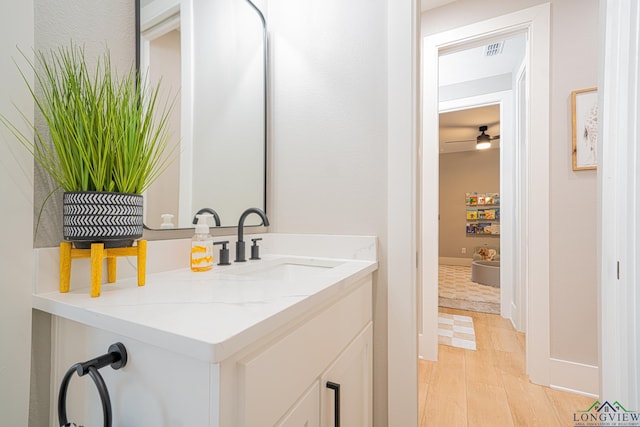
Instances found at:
x=574 y=377
x=513 y=322
x=454 y=261
x=505 y=309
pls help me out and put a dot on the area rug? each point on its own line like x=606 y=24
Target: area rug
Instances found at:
x=456 y=331
x=463 y=304
x=456 y=290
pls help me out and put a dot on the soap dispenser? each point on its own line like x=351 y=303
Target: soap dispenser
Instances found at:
x=202 y=245
x=166 y=221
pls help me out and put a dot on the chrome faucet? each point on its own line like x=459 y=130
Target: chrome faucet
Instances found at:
x=240 y=252
x=216 y=218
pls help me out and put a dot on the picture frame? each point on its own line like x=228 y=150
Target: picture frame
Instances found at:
x=584 y=118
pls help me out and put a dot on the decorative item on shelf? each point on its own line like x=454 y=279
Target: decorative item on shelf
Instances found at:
x=471 y=199
x=113 y=218
x=482 y=207
x=107 y=142
x=108 y=134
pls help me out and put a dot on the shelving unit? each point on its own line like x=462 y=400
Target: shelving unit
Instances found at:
x=482 y=214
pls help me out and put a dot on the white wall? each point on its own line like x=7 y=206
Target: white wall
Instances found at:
x=16 y=190
x=573 y=312
x=328 y=157
x=465 y=12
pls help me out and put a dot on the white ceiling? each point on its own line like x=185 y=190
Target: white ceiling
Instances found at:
x=458 y=70
x=459 y=129
x=472 y=64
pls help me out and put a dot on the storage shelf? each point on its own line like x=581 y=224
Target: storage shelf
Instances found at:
x=475 y=227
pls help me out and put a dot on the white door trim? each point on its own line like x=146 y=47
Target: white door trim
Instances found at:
x=401 y=364
x=519 y=301
x=618 y=182
x=535 y=21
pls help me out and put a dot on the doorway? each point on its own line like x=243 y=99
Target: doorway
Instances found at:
x=478 y=87
x=534 y=150
x=469 y=259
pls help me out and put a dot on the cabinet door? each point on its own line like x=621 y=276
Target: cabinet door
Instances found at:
x=306 y=413
x=272 y=379
x=346 y=391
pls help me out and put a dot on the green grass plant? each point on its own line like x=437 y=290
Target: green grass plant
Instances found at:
x=106 y=132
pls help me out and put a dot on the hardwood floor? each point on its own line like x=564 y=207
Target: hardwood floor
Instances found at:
x=488 y=387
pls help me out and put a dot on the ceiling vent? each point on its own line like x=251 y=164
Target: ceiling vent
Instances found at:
x=494 y=49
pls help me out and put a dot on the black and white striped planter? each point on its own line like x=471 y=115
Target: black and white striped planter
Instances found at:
x=112 y=218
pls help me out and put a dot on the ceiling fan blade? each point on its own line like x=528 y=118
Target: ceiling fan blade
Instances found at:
x=463 y=140
x=494 y=137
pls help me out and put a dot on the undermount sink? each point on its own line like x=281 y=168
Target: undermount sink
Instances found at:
x=287 y=269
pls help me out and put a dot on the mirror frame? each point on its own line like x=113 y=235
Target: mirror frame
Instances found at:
x=177 y=233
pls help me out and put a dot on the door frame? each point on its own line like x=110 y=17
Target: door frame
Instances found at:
x=619 y=204
x=519 y=298
x=535 y=22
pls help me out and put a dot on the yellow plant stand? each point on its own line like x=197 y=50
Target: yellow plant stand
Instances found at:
x=98 y=253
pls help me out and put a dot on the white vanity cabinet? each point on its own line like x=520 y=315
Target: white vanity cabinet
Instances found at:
x=279 y=379
x=352 y=372
x=306 y=412
x=284 y=381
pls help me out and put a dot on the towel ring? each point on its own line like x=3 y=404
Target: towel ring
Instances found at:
x=117 y=358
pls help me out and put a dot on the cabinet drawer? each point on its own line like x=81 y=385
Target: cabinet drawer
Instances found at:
x=272 y=381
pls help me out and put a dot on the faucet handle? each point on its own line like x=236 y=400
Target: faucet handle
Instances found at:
x=224 y=253
x=255 y=249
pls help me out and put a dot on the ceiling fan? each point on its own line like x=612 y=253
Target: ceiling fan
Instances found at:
x=483 y=141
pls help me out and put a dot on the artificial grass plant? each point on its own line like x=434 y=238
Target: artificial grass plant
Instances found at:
x=107 y=132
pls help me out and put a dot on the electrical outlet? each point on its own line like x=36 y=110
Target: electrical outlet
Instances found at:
x=464 y=250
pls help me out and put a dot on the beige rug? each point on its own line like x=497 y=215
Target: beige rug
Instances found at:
x=456 y=290
x=464 y=304
x=456 y=331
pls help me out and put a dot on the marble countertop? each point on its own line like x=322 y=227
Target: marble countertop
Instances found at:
x=210 y=315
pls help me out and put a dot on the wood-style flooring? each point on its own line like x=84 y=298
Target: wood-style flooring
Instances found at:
x=489 y=387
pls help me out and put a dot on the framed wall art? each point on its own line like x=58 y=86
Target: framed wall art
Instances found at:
x=584 y=112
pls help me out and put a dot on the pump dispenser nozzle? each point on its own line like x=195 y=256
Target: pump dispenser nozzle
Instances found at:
x=202 y=227
x=166 y=221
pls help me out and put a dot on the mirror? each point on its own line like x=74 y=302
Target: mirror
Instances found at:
x=212 y=54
